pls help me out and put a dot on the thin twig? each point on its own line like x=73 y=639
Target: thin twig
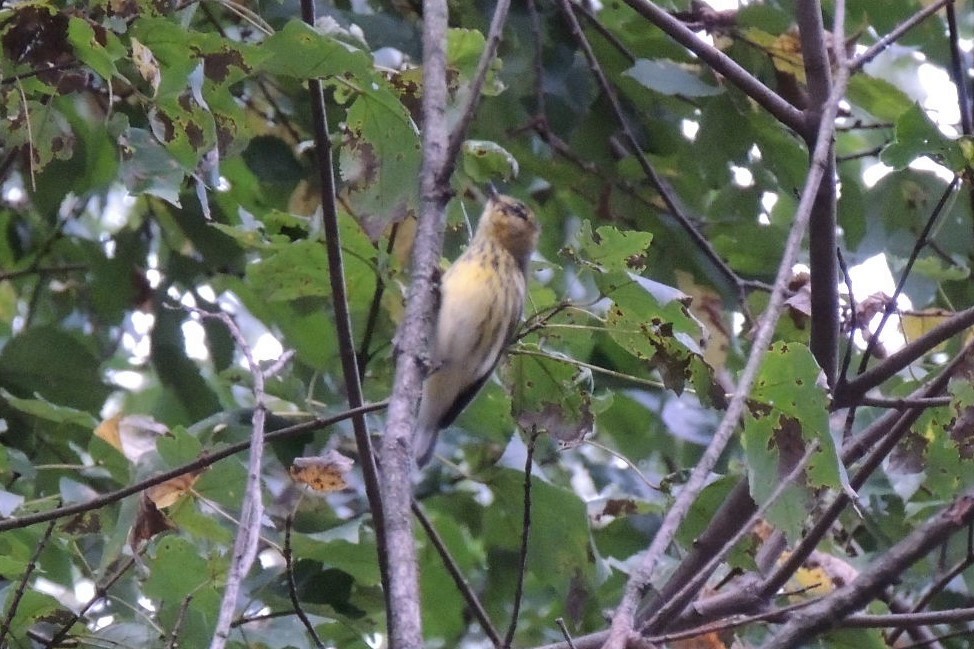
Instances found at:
x=372 y=319
x=292 y=588
x=852 y=391
x=879 y=450
x=677 y=602
x=22 y=585
x=42 y=270
x=466 y=591
x=208 y=459
x=564 y=632
x=783 y=111
x=178 y=624
x=900 y=404
x=837 y=605
x=938 y=586
x=918 y=247
x=522 y=561
x=674 y=205
x=476 y=89
x=877 y=48
x=101 y=592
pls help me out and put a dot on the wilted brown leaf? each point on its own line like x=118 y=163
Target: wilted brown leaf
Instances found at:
x=149 y=522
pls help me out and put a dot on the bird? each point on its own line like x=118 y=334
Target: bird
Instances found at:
x=481 y=300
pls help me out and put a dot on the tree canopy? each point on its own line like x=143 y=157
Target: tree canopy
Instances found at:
x=221 y=224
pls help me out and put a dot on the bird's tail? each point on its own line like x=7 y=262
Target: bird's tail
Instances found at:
x=424 y=441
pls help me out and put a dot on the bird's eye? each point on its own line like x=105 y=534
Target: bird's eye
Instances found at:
x=519 y=210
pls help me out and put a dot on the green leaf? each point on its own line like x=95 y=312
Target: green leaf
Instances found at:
x=147 y=168
x=484 y=160
x=298 y=270
x=651 y=321
x=48 y=362
x=356 y=557
x=298 y=50
x=176 y=570
x=670 y=78
x=878 y=97
x=558 y=545
x=551 y=394
x=100 y=58
x=609 y=249
x=179 y=447
x=789 y=410
x=917 y=136
x=44 y=409
x=379 y=159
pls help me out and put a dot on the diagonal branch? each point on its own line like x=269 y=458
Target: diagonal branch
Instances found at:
x=854 y=390
x=622 y=622
x=476 y=88
x=673 y=203
x=824 y=614
x=723 y=64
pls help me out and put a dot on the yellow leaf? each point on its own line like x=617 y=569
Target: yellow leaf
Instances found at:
x=169 y=492
x=108 y=431
x=708 y=307
x=917 y=323
x=324 y=473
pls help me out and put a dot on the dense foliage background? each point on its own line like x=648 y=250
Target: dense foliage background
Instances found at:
x=162 y=270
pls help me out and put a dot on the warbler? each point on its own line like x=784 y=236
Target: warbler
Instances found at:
x=480 y=306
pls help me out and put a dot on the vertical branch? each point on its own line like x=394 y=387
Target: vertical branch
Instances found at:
x=822 y=244
x=343 y=321
x=958 y=70
x=252 y=510
x=405 y=625
x=525 y=535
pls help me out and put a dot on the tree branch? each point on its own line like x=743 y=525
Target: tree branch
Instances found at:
x=476 y=88
x=822 y=244
x=22 y=584
x=202 y=462
x=622 y=622
x=343 y=320
x=673 y=203
x=826 y=613
x=522 y=561
x=877 y=48
x=850 y=393
x=720 y=62
x=473 y=602
x=252 y=508
x=405 y=625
